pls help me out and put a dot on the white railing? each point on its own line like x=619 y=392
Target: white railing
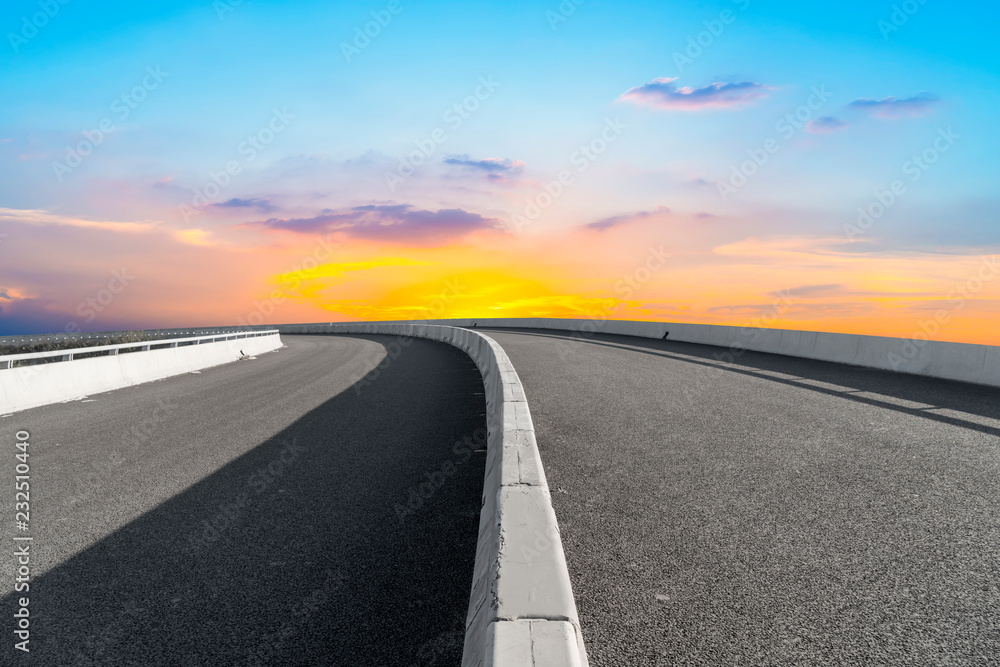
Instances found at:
x=68 y=354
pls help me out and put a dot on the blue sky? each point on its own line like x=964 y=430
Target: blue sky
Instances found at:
x=561 y=73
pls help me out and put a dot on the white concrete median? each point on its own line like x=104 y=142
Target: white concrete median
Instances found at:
x=23 y=387
x=521 y=609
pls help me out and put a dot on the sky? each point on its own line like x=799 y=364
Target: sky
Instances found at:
x=824 y=167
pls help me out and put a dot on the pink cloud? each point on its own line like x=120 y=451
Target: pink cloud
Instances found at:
x=662 y=93
x=400 y=223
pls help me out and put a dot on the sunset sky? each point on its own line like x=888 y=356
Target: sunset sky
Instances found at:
x=826 y=167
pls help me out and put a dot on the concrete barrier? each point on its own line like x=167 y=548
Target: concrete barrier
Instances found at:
x=521 y=608
x=977 y=364
x=23 y=387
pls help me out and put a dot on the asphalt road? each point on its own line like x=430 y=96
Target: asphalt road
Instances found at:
x=273 y=511
x=767 y=510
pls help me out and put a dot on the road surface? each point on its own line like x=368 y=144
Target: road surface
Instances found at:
x=272 y=511
x=767 y=510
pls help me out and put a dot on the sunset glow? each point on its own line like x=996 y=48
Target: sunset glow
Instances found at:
x=727 y=162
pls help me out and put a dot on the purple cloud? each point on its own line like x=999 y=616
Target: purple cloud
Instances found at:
x=890 y=107
x=389 y=222
x=825 y=125
x=608 y=223
x=491 y=165
x=262 y=205
x=663 y=94
x=497 y=169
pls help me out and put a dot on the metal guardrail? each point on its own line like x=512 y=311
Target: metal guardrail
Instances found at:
x=8 y=361
x=28 y=339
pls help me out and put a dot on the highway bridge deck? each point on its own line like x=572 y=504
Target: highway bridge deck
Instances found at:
x=766 y=510
x=261 y=512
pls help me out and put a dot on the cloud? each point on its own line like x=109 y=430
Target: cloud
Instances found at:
x=337 y=270
x=700 y=182
x=608 y=223
x=663 y=94
x=41 y=218
x=792 y=315
x=825 y=125
x=807 y=290
x=494 y=167
x=390 y=222
x=890 y=107
x=497 y=169
x=199 y=237
x=262 y=205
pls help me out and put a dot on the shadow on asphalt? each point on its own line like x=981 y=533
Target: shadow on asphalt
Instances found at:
x=880 y=385
x=303 y=550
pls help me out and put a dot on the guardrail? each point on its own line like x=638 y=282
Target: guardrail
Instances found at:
x=33 y=379
x=9 y=361
x=20 y=340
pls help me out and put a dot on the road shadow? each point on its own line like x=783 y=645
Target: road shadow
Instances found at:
x=917 y=395
x=348 y=538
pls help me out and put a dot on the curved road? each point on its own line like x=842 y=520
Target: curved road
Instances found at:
x=280 y=510
x=767 y=510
